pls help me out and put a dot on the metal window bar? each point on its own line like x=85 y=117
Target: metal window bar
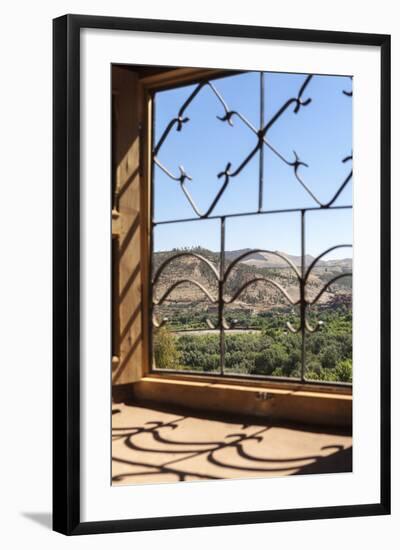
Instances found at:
x=222 y=274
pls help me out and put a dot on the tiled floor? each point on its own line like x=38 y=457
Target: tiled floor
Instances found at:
x=153 y=446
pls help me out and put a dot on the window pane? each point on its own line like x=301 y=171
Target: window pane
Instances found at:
x=262 y=161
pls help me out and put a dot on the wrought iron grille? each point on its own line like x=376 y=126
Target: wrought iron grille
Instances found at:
x=221 y=275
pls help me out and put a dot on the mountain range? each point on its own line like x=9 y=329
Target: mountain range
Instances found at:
x=265 y=259
x=257 y=264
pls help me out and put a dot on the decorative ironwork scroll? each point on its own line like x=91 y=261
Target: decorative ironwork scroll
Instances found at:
x=299 y=101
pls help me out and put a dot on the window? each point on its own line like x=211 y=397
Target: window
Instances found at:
x=251 y=227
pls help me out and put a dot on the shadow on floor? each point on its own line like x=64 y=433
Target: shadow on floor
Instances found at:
x=339 y=462
x=150 y=444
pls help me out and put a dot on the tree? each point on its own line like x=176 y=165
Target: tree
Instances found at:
x=271 y=359
x=165 y=353
x=344 y=371
x=329 y=358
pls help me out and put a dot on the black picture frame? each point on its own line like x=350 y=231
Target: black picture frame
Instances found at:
x=66 y=274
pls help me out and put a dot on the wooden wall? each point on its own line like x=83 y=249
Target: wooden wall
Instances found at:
x=126 y=221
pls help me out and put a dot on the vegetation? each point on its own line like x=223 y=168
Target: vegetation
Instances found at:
x=166 y=353
x=261 y=343
x=270 y=350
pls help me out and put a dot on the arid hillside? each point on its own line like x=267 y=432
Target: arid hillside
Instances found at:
x=258 y=296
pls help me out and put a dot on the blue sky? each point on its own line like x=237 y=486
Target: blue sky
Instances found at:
x=320 y=133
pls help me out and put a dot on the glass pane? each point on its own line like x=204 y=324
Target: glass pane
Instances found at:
x=329 y=348
x=248 y=316
x=185 y=293
x=262 y=256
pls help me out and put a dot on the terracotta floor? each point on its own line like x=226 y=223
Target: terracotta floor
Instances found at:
x=153 y=446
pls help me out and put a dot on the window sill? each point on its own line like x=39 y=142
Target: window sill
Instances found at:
x=289 y=402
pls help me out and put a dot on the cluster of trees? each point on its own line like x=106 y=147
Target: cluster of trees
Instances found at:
x=272 y=350
x=189 y=319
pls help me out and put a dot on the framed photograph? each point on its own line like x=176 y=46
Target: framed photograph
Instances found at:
x=221 y=274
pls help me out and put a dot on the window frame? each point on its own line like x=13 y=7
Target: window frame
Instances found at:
x=148 y=87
